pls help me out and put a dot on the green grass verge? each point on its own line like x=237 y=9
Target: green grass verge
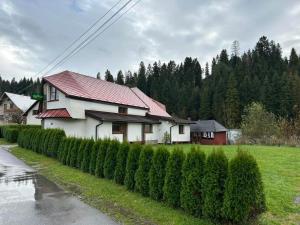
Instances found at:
x=280 y=168
x=4 y=142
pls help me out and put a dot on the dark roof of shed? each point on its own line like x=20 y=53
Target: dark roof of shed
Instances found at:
x=116 y=117
x=207 y=126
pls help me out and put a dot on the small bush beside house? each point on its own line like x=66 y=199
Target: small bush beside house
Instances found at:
x=244 y=196
x=85 y=164
x=101 y=158
x=215 y=175
x=157 y=173
x=142 y=174
x=172 y=185
x=111 y=159
x=121 y=163
x=94 y=154
x=192 y=186
x=132 y=166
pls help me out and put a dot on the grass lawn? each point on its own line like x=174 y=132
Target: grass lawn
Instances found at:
x=280 y=168
x=4 y=142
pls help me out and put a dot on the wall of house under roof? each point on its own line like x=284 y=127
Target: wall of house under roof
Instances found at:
x=31 y=119
x=77 y=107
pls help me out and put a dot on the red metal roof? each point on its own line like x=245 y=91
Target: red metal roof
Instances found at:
x=89 y=88
x=78 y=85
x=54 y=113
x=155 y=108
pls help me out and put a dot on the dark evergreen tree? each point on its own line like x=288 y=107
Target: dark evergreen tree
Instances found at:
x=108 y=76
x=120 y=78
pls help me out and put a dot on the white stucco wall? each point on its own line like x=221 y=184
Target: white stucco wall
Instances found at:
x=185 y=137
x=154 y=136
x=31 y=119
x=77 y=108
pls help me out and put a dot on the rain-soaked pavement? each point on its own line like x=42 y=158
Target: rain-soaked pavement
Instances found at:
x=27 y=198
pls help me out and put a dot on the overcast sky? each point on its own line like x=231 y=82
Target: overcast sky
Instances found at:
x=33 y=32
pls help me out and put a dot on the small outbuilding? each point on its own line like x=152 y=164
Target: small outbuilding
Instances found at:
x=208 y=132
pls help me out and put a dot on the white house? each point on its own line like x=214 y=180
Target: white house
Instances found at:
x=13 y=106
x=88 y=107
x=31 y=114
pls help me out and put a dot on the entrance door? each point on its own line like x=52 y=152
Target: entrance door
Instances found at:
x=143 y=133
x=124 y=129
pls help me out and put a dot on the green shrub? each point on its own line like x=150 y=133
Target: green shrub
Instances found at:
x=121 y=163
x=191 y=187
x=172 y=185
x=46 y=141
x=94 y=154
x=41 y=141
x=74 y=152
x=37 y=139
x=80 y=153
x=55 y=139
x=64 y=153
x=216 y=169
x=85 y=165
x=111 y=159
x=11 y=134
x=132 y=165
x=101 y=158
x=69 y=151
x=60 y=150
x=142 y=173
x=157 y=173
x=244 y=195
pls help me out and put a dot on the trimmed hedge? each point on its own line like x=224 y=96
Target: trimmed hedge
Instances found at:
x=142 y=173
x=172 y=185
x=111 y=159
x=94 y=154
x=197 y=186
x=216 y=169
x=121 y=163
x=101 y=158
x=157 y=173
x=85 y=164
x=244 y=195
x=191 y=187
x=132 y=166
x=11 y=134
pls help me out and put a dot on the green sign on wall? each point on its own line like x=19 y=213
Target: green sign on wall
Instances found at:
x=37 y=96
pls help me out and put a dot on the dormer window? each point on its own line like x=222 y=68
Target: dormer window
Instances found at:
x=123 y=110
x=53 y=95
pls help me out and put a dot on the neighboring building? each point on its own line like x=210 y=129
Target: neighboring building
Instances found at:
x=88 y=107
x=208 y=132
x=31 y=114
x=12 y=107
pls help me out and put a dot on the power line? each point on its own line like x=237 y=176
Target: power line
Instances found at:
x=93 y=38
x=75 y=41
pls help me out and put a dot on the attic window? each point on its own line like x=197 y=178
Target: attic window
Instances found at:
x=53 y=95
x=123 y=110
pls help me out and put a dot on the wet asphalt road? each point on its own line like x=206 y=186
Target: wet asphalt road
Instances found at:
x=27 y=198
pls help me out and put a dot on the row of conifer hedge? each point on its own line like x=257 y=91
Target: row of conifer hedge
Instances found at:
x=208 y=187
x=11 y=132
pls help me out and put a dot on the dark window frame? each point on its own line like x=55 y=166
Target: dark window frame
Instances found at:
x=149 y=130
x=123 y=110
x=35 y=112
x=119 y=130
x=53 y=91
x=181 y=129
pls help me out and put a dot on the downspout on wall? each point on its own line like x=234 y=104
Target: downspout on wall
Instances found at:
x=96 y=129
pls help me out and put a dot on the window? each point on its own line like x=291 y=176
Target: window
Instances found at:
x=35 y=112
x=123 y=110
x=181 y=129
x=209 y=135
x=53 y=95
x=148 y=128
x=118 y=128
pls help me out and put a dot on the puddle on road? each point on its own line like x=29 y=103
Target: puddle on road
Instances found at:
x=28 y=198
